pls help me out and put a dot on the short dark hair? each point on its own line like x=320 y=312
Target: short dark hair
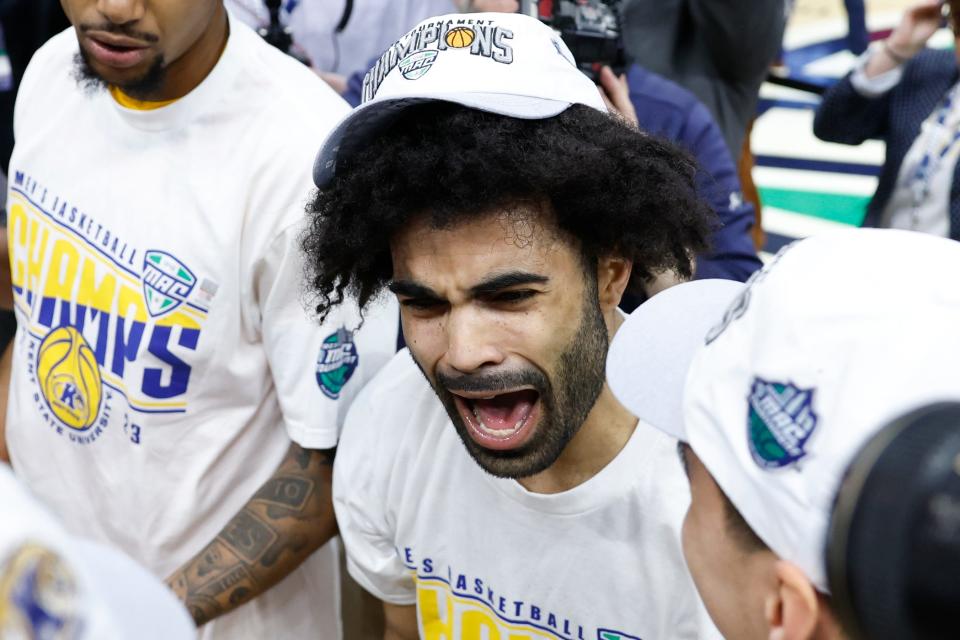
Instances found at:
x=608 y=186
x=745 y=536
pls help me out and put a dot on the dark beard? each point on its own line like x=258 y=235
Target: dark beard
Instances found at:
x=580 y=377
x=139 y=89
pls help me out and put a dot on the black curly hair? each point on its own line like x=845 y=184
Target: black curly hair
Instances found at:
x=613 y=188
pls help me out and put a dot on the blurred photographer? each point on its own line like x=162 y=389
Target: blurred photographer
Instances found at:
x=810 y=517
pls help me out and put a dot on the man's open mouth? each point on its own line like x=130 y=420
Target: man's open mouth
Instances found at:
x=500 y=421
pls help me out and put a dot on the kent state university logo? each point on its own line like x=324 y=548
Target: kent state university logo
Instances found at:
x=167 y=282
x=336 y=363
x=38 y=596
x=780 y=421
x=69 y=378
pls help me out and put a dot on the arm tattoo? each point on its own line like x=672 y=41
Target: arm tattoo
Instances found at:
x=286 y=520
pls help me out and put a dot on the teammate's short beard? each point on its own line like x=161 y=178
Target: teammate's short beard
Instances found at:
x=142 y=88
x=564 y=406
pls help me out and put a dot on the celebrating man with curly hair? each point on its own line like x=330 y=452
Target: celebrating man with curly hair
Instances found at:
x=504 y=493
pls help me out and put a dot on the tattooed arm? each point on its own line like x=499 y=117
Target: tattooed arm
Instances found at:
x=285 y=521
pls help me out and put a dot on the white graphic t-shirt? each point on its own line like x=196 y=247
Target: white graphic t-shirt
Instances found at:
x=164 y=358
x=482 y=558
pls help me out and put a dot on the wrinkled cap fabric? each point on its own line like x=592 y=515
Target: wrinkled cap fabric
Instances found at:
x=504 y=63
x=838 y=335
x=647 y=365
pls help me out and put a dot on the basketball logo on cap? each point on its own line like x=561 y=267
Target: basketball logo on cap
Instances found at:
x=69 y=378
x=460 y=37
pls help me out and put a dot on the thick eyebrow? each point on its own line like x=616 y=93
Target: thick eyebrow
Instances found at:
x=505 y=281
x=411 y=289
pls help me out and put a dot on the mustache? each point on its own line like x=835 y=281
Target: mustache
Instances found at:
x=120 y=30
x=494 y=382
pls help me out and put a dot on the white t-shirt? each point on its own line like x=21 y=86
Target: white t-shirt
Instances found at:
x=422 y=523
x=373 y=25
x=164 y=358
x=55 y=586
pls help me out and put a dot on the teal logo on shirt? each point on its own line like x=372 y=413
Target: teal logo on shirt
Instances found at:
x=336 y=363
x=607 y=634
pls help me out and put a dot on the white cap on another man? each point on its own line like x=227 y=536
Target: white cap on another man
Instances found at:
x=777 y=384
x=504 y=63
x=54 y=585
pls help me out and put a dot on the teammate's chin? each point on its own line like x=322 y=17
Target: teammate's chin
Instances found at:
x=140 y=81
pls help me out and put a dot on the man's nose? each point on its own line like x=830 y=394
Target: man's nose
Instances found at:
x=122 y=11
x=472 y=342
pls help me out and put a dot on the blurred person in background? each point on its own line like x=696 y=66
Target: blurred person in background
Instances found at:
x=168 y=392
x=858 y=37
x=718 y=50
x=339 y=37
x=907 y=95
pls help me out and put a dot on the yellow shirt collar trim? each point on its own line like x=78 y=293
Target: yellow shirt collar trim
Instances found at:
x=137 y=105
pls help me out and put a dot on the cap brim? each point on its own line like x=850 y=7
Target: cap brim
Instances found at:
x=651 y=353
x=369 y=119
x=140 y=606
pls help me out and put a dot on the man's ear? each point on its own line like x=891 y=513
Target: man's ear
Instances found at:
x=792 y=612
x=613 y=276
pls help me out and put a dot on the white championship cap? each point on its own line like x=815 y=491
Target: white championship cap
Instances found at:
x=504 y=63
x=53 y=585
x=788 y=376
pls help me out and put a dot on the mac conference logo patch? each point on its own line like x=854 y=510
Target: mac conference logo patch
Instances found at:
x=167 y=282
x=779 y=423
x=336 y=363
x=416 y=65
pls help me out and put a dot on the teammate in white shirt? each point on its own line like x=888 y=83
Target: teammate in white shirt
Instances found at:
x=483 y=183
x=164 y=360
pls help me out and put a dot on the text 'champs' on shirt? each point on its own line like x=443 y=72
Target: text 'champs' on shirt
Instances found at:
x=164 y=358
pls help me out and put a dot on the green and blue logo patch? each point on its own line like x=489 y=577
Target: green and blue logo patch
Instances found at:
x=336 y=363
x=416 y=65
x=779 y=423
x=167 y=282
x=607 y=634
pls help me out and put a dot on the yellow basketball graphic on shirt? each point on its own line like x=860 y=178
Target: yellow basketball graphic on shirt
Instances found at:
x=460 y=37
x=69 y=378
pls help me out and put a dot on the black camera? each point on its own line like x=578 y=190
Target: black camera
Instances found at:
x=893 y=551
x=590 y=28
x=276 y=34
